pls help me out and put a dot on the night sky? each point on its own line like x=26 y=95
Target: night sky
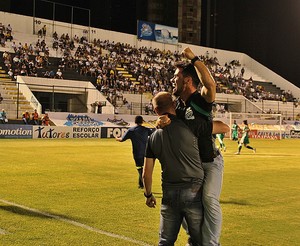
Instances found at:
x=266 y=30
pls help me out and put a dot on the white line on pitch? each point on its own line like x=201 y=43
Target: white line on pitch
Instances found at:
x=3 y=232
x=75 y=223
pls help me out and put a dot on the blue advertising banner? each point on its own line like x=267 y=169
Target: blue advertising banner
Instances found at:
x=156 y=32
x=15 y=131
x=146 y=30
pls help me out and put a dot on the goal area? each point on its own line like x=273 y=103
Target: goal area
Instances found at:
x=265 y=126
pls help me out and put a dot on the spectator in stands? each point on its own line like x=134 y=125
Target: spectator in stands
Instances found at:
x=45 y=120
x=1 y=98
x=14 y=46
x=242 y=71
x=9 y=28
x=40 y=33
x=2 y=39
x=23 y=71
x=76 y=38
x=3 y=117
x=47 y=74
x=59 y=74
x=26 y=118
x=11 y=73
x=2 y=28
x=44 y=31
x=62 y=64
x=55 y=35
x=35 y=117
x=30 y=49
x=52 y=74
x=8 y=36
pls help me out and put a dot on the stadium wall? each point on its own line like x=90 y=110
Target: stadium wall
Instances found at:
x=67 y=86
x=11 y=131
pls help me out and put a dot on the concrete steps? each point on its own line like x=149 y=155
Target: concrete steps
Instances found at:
x=126 y=74
x=14 y=102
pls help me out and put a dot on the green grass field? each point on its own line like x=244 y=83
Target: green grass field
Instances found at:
x=84 y=192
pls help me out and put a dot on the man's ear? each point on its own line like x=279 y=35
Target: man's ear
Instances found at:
x=186 y=79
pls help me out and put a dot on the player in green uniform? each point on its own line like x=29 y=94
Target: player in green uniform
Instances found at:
x=245 y=138
x=234 y=131
x=220 y=138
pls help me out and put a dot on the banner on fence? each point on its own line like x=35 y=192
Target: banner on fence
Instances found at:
x=157 y=32
x=86 y=132
x=52 y=132
x=295 y=133
x=113 y=132
x=15 y=131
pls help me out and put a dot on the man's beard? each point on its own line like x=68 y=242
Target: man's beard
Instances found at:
x=177 y=91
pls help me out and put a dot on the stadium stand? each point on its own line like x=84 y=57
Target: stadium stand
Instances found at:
x=116 y=68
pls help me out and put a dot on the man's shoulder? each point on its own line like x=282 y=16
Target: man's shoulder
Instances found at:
x=140 y=127
x=198 y=99
x=131 y=129
x=199 y=105
x=156 y=135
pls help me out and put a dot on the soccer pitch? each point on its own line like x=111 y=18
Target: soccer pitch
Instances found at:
x=84 y=192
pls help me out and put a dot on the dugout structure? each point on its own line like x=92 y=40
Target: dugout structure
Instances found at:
x=261 y=125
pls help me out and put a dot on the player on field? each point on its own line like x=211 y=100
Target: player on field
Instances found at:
x=220 y=138
x=245 y=138
x=138 y=136
x=234 y=131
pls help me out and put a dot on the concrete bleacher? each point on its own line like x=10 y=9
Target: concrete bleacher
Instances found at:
x=135 y=100
x=13 y=102
x=252 y=74
x=250 y=70
x=268 y=86
x=68 y=73
x=287 y=109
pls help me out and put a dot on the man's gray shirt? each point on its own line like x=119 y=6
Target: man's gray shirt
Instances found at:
x=176 y=147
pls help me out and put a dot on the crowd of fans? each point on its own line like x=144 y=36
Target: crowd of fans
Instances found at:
x=151 y=68
x=5 y=34
x=34 y=118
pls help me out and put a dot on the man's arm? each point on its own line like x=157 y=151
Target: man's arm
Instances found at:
x=147 y=179
x=208 y=90
x=220 y=127
x=126 y=136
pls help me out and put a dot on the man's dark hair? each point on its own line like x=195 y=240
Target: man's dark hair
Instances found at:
x=188 y=69
x=245 y=122
x=139 y=120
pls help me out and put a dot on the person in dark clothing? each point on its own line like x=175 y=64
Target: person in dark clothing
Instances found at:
x=138 y=136
x=176 y=147
x=196 y=108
